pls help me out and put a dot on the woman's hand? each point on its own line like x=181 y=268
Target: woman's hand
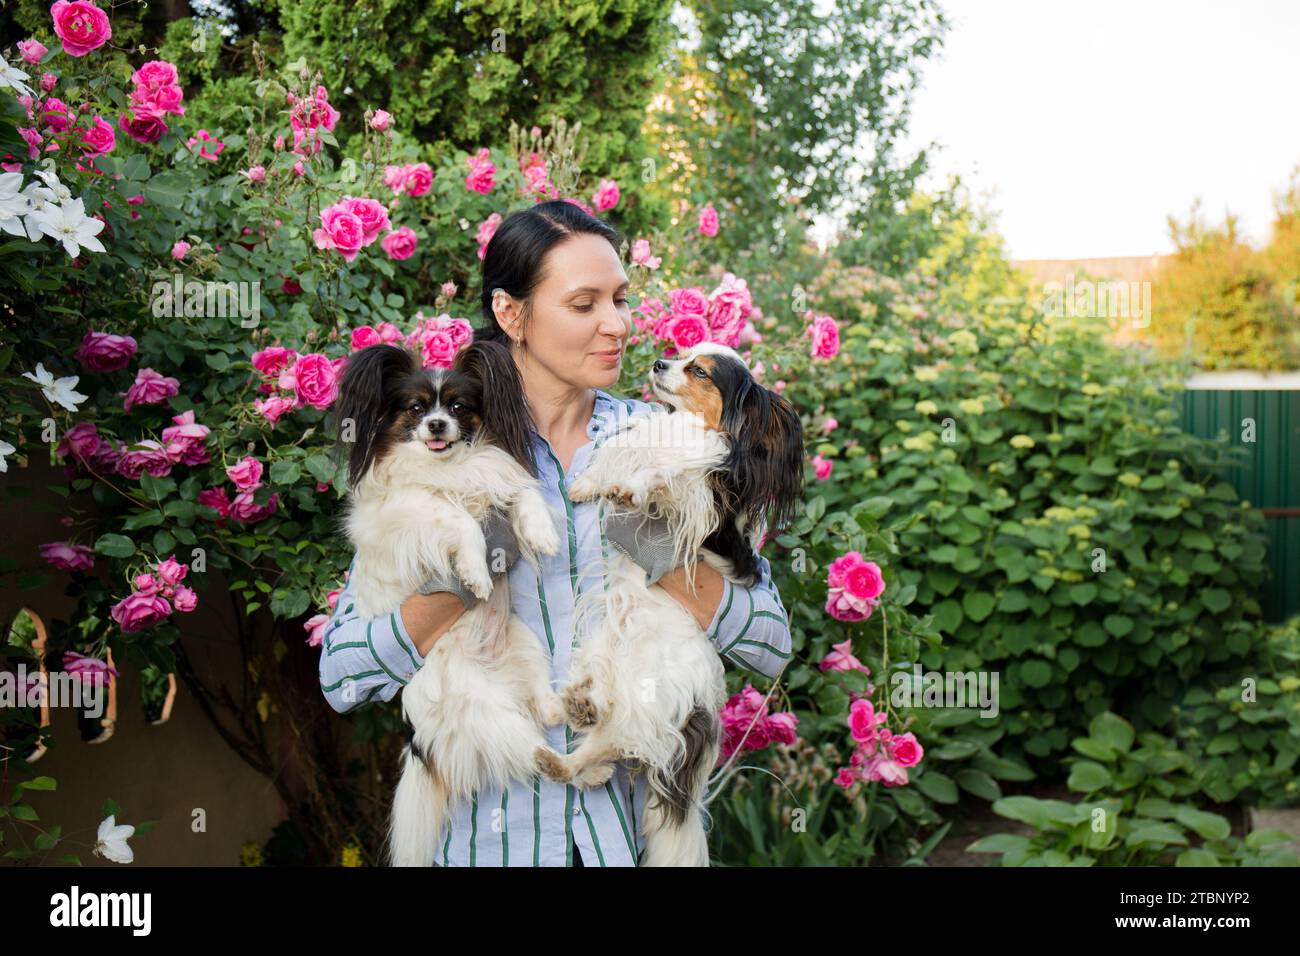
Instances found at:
x=650 y=546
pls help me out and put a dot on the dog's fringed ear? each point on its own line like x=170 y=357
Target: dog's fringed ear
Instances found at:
x=359 y=411
x=506 y=421
x=767 y=452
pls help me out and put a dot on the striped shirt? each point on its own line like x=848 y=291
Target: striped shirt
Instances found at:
x=537 y=822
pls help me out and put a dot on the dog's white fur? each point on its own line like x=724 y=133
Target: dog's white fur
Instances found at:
x=479 y=702
x=644 y=664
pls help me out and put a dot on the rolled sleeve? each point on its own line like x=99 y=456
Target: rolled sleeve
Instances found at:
x=751 y=628
x=364 y=658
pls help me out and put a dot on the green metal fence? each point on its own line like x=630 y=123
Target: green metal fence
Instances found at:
x=1269 y=477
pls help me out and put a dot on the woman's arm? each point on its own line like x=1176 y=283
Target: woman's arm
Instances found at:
x=749 y=626
x=368 y=658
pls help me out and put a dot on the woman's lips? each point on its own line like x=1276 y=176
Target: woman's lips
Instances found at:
x=612 y=356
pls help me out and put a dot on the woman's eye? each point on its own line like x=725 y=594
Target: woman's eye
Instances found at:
x=621 y=301
x=583 y=308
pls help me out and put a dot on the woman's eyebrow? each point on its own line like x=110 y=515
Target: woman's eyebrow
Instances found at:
x=591 y=288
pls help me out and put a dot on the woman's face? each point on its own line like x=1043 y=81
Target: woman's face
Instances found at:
x=580 y=317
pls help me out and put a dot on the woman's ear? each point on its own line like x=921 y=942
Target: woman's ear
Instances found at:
x=359 y=411
x=506 y=420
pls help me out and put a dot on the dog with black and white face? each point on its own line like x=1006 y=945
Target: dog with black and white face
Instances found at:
x=717 y=463
x=430 y=453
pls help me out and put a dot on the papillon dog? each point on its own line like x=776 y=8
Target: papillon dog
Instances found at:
x=430 y=452
x=720 y=460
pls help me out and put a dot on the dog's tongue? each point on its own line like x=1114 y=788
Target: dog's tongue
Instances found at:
x=436 y=444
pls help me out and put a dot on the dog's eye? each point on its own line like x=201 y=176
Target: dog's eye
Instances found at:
x=457 y=407
x=699 y=371
x=416 y=408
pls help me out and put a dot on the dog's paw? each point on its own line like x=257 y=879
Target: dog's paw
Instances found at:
x=585 y=488
x=539 y=533
x=551 y=765
x=594 y=776
x=478 y=580
x=550 y=709
x=578 y=705
x=625 y=496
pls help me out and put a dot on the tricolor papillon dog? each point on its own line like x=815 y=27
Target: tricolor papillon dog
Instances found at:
x=430 y=451
x=721 y=460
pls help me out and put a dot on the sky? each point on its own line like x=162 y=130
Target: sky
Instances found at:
x=1084 y=124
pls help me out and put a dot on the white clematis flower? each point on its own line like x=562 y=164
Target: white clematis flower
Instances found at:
x=112 y=839
x=12 y=78
x=6 y=449
x=70 y=225
x=60 y=390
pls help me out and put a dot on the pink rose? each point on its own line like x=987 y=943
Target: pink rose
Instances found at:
x=246 y=473
x=373 y=216
x=708 y=221
x=830 y=425
x=274 y=359
x=104 y=352
x=690 y=301
x=145 y=126
x=419 y=179
x=272 y=408
x=641 y=255
x=32 y=51
x=395 y=178
x=400 y=243
x=98 y=140
x=687 y=331
x=341 y=230
x=863 y=720
x=607 y=195
x=185 y=599
x=380 y=121
x=67 y=556
x=245 y=509
x=315 y=628
x=486 y=230
x=145 y=584
x=81 y=26
x=315 y=381
x=171 y=570
x=880 y=768
x=822 y=467
x=206 y=139
x=841 y=658
x=439 y=349
x=825 y=334
x=150 y=388
x=907 y=750
x=48 y=82
x=363 y=336
x=88 y=669
x=481 y=171
x=215 y=498
x=180 y=249
x=449 y=289
x=137 y=611
x=82 y=440
x=145 y=456
x=53 y=113
x=254 y=174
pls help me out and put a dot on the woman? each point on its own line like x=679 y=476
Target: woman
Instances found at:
x=555 y=292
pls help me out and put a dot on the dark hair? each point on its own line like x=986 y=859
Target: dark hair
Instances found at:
x=514 y=255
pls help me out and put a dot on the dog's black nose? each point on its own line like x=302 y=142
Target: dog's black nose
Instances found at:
x=660 y=365
x=437 y=425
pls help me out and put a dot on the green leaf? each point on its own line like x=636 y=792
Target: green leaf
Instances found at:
x=937 y=786
x=978 y=605
x=1112 y=730
x=1036 y=673
x=1208 y=826
x=1083 y=593
x=1088 y=777
x=979 y=783
x=1196 y=857
x=1216 y=599
x=167 y=189
x=285 y=472
x=38 y=783
x=1157 y=834
x=947 y=616
x=1117 y=624
x=115 y=546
